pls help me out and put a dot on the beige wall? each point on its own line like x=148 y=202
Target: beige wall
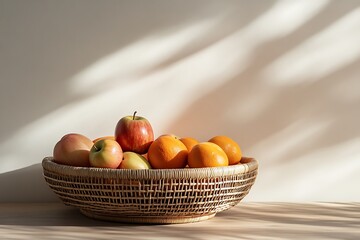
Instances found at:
x=280 y=77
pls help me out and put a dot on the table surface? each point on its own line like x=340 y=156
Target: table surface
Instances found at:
x=244 y=221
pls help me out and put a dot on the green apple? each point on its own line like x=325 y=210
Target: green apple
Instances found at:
x=106 y=153
x=133 y=160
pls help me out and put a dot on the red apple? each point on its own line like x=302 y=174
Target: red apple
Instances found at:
x=73 y=149
x=106 y=153
x=134 y=134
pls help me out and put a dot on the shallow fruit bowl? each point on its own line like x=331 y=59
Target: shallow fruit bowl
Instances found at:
x=159 y=196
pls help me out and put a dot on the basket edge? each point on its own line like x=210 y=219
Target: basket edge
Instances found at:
x=250 y=164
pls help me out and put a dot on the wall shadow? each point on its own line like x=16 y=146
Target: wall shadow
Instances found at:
x=25 y=185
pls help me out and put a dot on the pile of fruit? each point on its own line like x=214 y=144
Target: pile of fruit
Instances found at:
x=133 y=147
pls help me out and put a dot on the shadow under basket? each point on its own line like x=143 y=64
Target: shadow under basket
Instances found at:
x=158 y=196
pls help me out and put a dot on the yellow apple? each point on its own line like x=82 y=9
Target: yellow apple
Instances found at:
x=106 y=153
x=133 y=160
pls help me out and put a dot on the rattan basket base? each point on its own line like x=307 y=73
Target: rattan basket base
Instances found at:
x=153 y=196
x=147 y=220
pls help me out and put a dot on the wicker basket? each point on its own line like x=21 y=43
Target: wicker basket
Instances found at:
x=151 y=196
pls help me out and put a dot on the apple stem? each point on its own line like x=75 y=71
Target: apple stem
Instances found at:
x=134 y=115
x=96 y=148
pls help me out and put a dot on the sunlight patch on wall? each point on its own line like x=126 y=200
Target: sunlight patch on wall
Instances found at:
x=322 y=54
x=279 y=18
x=251 y=106
x=257 y=33
x=299 y=135
x=155 y=94
x=320 y=174
x=38 y=138
x=131 y=62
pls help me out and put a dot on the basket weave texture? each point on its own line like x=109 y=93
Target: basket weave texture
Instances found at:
x=151 y=195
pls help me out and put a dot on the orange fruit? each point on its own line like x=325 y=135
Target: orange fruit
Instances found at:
x=189 y=142
x=207 y=154
x=167 y=152
x=230 y=147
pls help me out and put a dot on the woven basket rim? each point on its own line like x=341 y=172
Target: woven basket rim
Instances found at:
x=250 y=164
